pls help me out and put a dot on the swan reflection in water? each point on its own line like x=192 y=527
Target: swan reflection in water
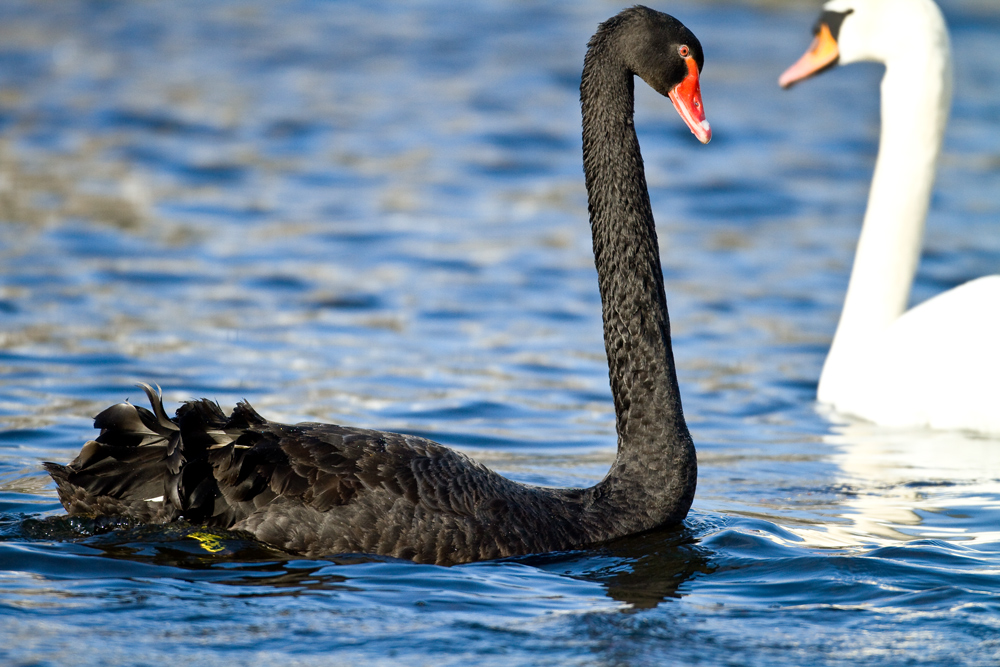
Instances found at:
x=902 y=484
x=639 y=572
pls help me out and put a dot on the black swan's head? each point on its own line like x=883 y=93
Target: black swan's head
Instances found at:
x=666 y=55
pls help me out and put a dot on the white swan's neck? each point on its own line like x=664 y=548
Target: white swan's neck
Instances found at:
x=916 y=96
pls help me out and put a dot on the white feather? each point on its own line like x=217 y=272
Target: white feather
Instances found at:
x=938 y=364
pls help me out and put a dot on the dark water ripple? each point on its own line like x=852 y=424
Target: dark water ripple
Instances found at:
x=373 y=213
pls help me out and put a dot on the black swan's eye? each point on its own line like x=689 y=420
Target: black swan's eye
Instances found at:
x=684 y=51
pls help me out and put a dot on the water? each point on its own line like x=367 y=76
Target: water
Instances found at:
x=374 y=214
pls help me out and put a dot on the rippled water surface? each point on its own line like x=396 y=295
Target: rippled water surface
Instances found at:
x=373 y=213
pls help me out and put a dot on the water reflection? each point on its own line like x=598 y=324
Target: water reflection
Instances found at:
x=640 y=572
x=900 y=484
x=654 y=568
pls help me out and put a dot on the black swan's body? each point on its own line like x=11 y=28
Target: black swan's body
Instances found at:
x=318 y=489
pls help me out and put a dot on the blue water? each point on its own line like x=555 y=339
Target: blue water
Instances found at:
x=373 y=213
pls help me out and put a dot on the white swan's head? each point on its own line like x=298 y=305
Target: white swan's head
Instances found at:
x=892 y=32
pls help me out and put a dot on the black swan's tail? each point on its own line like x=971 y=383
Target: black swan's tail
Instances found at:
x=150 y=467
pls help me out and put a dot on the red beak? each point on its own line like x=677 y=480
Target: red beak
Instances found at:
x=686 y=97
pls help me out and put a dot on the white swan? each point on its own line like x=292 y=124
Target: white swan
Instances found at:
x=937 y=364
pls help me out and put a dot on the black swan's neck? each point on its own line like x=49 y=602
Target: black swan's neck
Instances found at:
x=655 y=471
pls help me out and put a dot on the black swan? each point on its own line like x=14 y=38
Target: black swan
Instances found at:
x=321 y=489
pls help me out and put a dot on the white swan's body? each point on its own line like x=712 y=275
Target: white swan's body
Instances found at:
x=937 y=364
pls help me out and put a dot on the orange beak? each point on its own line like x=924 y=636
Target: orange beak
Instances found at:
x=822 y=53
x=686 y=97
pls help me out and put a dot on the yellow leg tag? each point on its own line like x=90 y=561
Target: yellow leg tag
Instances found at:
x=208 y=541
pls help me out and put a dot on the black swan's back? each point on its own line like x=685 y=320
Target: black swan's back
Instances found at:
x=312 y=489
x=318 y=489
